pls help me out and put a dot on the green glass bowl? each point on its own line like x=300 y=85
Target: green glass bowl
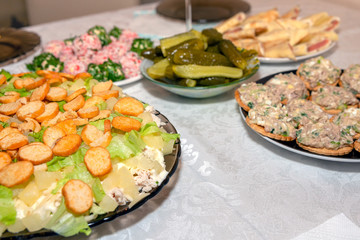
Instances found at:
x=203 y=91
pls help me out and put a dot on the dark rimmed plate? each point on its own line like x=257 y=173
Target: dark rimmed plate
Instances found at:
x=171 y=163
x=16 y=45
x=203 y=10
x=352 y=157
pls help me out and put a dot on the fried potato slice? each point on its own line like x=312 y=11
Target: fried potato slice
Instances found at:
x=10 y=108
x=67 y=145
x=40 y=93
x=75 y=104
x=30 y=110
x=68 y=126
x=75 y=94
x=51 y=110
x=93 y=101
x=90 y=133
x=102 y=141
x=126 y=124
x=16 y=173
x=103 y=114
x=78 y=196
x=107 y=94
x=52 y=135
x=10 y=97
x=98 y=161
x=88 y=112
x=102 y=87
x=56 y=94
x=5 y=159
x=13 y=141
x=129 y=106
x=36 y=153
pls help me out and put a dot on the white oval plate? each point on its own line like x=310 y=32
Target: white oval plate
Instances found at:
x=128 y=80
x=301 y=58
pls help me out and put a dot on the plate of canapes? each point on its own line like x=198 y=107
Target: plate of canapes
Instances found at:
x=312 y=110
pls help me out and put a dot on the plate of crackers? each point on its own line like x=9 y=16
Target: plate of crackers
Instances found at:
x=76 y=152
x=320 y=122
x=282 y=37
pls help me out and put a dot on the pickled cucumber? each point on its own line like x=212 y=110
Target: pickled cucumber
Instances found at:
x=232 y=53
x=182 y=57
x=197 y=71
x=212 y=36
x=196 y=44
x=157 y=70
x=210 y=81
x=166 y=43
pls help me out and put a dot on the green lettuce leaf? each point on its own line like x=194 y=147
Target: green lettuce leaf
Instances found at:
x=61 y=104
x=152 y=128
x=39 y=135
x=10 y=87
x=118 y=149
x=7 y=208
x=98 y=190
x=66 y=224
x=6 y=74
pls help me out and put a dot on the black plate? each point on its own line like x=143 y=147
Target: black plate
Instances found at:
x=203 y=10
x=16 y=45
x=171 y=163
x=353 y=156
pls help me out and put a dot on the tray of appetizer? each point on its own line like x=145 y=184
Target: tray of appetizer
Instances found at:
x=76 y=152
x=282 y=38
x=107 y=54
x=312 y=110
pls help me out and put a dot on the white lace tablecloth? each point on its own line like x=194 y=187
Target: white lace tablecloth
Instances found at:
x=230 y=183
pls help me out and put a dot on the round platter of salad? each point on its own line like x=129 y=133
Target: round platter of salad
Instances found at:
x=76 y=152
x=108 y=55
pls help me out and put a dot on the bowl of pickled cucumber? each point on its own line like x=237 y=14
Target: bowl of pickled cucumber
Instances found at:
x=198 y=64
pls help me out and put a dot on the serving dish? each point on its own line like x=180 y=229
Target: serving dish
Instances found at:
x=171 y=163
x=16 y=45
x=298 y=59
x=204 y=91
x=352 y=157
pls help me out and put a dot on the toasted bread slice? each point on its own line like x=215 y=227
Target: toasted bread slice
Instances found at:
x=67 y=145
x=107 y=94
x=262 y=131
x=6 y=131
x=102 y=141
x=40 y=93
x=13 y=141
x=78 y=196
x=326 y=151
x=126 y=124
x=51 y=110
x=89 y=112
x=35 y=84
x=75 y=94
x=30 y=110
x=29 y=125
x=36 y=153
x=102 y=87
x=90 y=134
x=21 y=83
x=80 y=121
x=10 y=108
x=68 y=126
x=129 y=106
x=52 y=135
x=98 y=161
x=5 y=159
x=75 y=104
x=93 y=101
x=16 y=173
x=102 y=114
x=56 y=94
x=10 y=97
